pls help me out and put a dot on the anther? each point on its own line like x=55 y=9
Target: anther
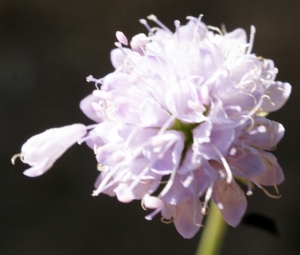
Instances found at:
x=144 y=22
x=220 y=206
x=90 y=78
x=121 y=38
x=158 y=22
x=261 y=129
x=232 y=151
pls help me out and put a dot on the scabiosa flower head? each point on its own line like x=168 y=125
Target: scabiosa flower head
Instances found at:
x=181 y=118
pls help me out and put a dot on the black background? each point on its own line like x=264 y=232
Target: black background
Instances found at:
x=47 y=48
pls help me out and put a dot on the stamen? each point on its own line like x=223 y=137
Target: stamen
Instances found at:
x=163 y=220
x=157 y=141
x=197 y=25
x=225 y=164
x=129 y=138
x=177 y=26
x=151 y=215
x=90 y=78
x=83 y=139
x=256 y=108
x=249 y=192
x=265 y=191
x=119 y=45
x=144 y=22
x=102 y=168
x=252 y=33
x=207 y=198
x=121 y=38
x=215 y=29
x=188 y=180
x=14 y=157
x=261 y=129
x=232 y=151
x=142 y=204
x=220 y=206
x=97 y=191
x=196 y=106
x=223 y=28
x=170 y=183
x=268 y=194
x=158 y=22
x=166 y=125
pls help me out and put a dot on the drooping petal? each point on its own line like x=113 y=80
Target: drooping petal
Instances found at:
x=231 y=201
x=188 y=218
x=274 y=174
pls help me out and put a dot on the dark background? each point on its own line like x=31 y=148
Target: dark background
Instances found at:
x=47 y=48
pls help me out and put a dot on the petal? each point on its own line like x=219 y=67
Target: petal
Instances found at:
x=231 y=201
x=118 y=57
x=185 y=222
x=248 y=164
x=86 y=107
x=50 y=144
x=274 y=174
x=38 y=169
x=279 y=93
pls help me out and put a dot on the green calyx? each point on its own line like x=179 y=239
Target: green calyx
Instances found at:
x=187 y=130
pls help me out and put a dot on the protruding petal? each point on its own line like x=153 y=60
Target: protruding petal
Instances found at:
x=42 y=150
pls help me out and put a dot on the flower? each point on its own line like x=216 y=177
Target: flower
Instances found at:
x=180 y=120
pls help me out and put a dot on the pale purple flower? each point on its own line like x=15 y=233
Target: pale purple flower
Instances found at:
x=180 y=114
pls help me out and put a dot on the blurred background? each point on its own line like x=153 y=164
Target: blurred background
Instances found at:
x=47 y=49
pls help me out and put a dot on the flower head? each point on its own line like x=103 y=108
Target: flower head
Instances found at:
x=180 y=119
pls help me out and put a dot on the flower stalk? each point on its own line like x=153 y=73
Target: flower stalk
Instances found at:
x=213 y=233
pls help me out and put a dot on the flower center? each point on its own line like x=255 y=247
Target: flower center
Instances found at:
x=187 y=130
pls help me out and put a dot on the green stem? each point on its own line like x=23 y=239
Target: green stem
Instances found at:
x=213 y=233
